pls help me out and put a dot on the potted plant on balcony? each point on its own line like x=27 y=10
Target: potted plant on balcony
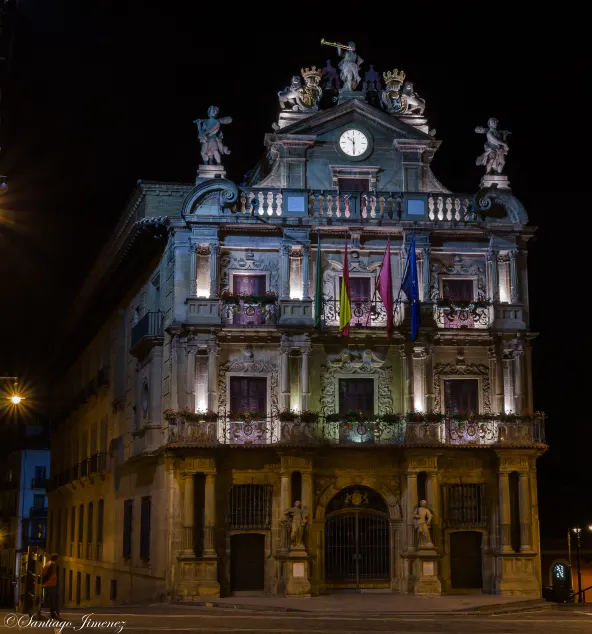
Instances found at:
x=246 y=416
x=309 y=416
x=390 y=417
x=287 y=416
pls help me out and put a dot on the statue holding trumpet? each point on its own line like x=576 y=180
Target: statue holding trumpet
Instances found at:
x=349 y=65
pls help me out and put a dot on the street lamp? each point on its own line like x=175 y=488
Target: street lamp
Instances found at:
x=577 y=531
x=15 y=398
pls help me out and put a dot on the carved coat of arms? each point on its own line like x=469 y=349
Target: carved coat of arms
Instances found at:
x=357 y=498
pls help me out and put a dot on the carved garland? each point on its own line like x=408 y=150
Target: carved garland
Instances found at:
x=365 y=364
x=441 y=370
x=231 y=262
x=247 y=367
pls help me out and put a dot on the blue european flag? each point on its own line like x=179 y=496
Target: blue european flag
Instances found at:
x=411 y=287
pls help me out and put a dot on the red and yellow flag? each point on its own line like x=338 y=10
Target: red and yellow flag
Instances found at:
x=344 y=297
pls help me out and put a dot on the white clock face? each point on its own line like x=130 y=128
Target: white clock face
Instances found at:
x=353 y=142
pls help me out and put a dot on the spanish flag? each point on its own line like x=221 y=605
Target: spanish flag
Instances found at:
x=344 y=297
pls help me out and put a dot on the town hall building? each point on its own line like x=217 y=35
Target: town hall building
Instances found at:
x=222 y=431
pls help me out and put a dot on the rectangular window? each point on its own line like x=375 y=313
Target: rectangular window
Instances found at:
x=461 y=395
x=464 y=505
x=356 y=395
x=70 y=584
x=248 y=394
x=98 y=586
x=40 y=474
x=250 y=506
x=87 y=586
x=100 y=514
x=39 y=501
x=460 y=290
x=127 y=528
x=296 y=281
x=113 y=590
x=73 y=527
x=145 y=529
x=354 y=184
x=249 y=286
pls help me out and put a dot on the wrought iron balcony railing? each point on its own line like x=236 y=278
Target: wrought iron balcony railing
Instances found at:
x=404 y=432
x=364 y=313
x=243 y=313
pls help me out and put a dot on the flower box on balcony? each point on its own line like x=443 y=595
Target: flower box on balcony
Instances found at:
x=424 y=417
x=390 y=418
x=270 y=297
x=309 y=416
x=246 y=417
x=199 y=416
x=287 y=416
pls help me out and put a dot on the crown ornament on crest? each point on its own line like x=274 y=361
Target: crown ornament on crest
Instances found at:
x=311 y=74
x=394 y=76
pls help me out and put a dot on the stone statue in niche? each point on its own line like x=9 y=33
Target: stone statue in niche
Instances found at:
x=422 y=518
x=210 y=135
x=496 y=148
x=297 y=515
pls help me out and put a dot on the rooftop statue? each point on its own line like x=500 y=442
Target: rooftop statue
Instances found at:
x=496 y=148
x=350 y=65
x=330 y=77
x=303 y=98
x=391 y=99
x=415 y=104
x=209 y=133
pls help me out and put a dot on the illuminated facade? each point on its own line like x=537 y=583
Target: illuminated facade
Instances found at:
x=208 y=403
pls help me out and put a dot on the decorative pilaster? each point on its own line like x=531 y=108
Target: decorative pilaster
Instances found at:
x=193 y=248
x=190 y=380
x=508 y=362
x=408 y=387
x=285 y=375
x=505 y=545
x=285 y=271
x=306 y=272
x=210 y=515
x=411 y=503
x=500 y=405
x=429 y=378
x=189 y=516
x=518 y=378
x=514 y=294
x=304 y=375
x=492 y=257
x=525 y=514
x=212 y=372
x=426 y=251
x=432 y=491
x=214 y=252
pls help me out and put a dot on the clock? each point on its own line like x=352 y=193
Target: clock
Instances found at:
x=353 y=142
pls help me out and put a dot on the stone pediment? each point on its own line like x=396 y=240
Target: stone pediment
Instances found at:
x=350 y=112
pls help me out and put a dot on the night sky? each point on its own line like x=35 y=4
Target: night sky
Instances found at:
x=102 y=94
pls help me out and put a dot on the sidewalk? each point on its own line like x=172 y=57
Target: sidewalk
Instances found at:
x=383 y=602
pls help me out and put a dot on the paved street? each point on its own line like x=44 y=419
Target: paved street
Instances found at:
x=180 y=619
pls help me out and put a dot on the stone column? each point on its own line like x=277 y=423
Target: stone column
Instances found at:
x=432 y=491
x=505 y=545
x=210 y=515
x=426 y=273
x=408 y=390
x=492 y=256
x=525 y=514
x=514 y=294
x=507 y=360
x=429 y=378
x=285 y=271
x=214 y=250
x=306 y=272
x=411 y=503
x=307 y=490
x=285 y=376
x=190 y=381
x=193 y=269
x=189 y=516
x=304 y=382
x=285 y=503
x=212 y=376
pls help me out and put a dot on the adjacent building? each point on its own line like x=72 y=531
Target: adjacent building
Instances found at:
x=218 y=430
x=24 y=475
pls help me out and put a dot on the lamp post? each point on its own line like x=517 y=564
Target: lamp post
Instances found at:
x=15 y=398
x=577 y=531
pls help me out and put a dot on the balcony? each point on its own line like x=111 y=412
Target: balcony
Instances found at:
x=364 y=314
x=461 y=315
x=411 y=431
x=97 y=463
x=252 y=312
x=147 y=333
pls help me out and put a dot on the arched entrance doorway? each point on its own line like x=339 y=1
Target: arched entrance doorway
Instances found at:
x=357 y=539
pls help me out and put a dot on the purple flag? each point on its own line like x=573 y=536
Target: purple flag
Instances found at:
x=385 y=287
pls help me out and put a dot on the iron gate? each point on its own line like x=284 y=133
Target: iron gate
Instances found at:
x=357 y=547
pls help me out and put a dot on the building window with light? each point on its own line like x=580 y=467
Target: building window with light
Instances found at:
x=461 y=395
x=356 y=395
x=248 y=394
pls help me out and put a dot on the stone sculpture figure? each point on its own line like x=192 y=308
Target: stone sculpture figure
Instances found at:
x=330 y=79
x=298 y=516
x=289 y=95
x=209 y=133
x=350 y=68
x=422 y=518
x=415 y=104
x=496 y=148
x=303 y=98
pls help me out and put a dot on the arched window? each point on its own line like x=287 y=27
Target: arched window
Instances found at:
x=296 y=483
x=422 y=492
x=515 y=540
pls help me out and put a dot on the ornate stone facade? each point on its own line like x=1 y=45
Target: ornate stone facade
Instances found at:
x=204 y=408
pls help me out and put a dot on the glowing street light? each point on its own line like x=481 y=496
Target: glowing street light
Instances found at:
x=15 y=398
